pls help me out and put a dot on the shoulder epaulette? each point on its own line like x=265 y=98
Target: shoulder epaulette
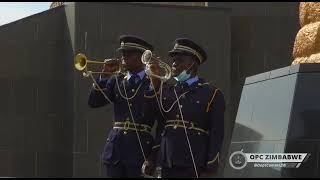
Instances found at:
x=203 y=84
x=212 y=99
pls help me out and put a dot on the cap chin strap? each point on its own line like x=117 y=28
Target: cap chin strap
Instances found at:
x=190 y=67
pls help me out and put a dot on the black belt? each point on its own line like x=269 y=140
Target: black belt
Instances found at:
x=127 y=125
x=189 y=125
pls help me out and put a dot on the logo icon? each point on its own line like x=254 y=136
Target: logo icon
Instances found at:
x=238 y=160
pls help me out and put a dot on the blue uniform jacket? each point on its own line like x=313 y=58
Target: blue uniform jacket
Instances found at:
x=123 y=144
x=203 y=108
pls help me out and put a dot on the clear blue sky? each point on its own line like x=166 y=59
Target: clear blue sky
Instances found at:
x=12 y=11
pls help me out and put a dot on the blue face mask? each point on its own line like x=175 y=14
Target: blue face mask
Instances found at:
x=183 y=76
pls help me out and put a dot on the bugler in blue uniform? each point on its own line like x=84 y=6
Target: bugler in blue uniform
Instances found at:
x=202 y=106
x=123 y=155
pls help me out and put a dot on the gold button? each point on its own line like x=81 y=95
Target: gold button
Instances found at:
x=124 y=132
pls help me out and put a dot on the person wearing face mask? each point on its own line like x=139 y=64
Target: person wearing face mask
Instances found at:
x=193 y=113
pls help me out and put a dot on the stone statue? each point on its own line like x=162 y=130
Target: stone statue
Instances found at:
x=307 y=43
x=56 y=4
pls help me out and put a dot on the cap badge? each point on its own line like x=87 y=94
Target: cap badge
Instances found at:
x=176 y=46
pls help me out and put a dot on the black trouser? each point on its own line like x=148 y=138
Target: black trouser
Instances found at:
x=121 y=170
x=179 y=172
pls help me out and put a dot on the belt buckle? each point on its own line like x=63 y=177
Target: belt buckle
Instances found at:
x=192 y=125
x=126 y=125
x=176 y=123
x=145 y=128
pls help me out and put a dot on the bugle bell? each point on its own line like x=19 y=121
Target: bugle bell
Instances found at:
x=81 y=63
x=148 y=58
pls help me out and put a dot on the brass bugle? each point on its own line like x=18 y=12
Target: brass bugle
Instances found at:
x=149 y=58
x=81 y=62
